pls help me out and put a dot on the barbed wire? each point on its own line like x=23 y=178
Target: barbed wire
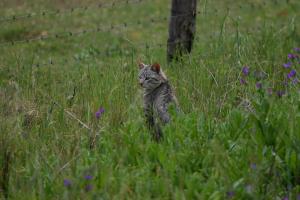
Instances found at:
x=64 y=11
x=109 y=28
x=58 y=12
x=71 y=33
x=97 y=29
x=108 y=52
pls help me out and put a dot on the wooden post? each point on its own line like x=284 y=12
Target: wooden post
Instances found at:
x=182 y=28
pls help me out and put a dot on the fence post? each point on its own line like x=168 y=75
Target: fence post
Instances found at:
x=182 y=28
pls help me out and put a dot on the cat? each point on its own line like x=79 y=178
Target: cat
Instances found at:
x=158 y=94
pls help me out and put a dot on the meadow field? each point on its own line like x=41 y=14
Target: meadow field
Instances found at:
x=71 y=110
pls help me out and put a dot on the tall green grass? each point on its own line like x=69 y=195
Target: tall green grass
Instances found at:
x=232 y=141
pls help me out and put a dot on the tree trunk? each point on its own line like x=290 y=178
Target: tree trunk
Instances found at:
x=182 y=28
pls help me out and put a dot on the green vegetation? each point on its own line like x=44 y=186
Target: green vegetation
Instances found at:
x=239 y=135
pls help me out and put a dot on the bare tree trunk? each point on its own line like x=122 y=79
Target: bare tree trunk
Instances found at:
x=182 y=28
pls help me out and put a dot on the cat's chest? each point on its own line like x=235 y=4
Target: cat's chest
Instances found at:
x=163 y=91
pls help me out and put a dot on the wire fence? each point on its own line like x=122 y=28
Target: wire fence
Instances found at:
x=59 y=12
x=121 y=27
x=81 y=32
x=114 y=4
x=109 y=28
x=101 y=28
x=65 y=11
x=107 y=52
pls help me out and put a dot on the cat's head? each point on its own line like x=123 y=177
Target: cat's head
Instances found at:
x=151 y=76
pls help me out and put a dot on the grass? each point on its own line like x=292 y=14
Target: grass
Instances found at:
x=233 y=141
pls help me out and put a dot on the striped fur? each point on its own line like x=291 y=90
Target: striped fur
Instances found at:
x=158 y=95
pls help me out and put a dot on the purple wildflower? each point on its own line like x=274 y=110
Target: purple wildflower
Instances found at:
x=88 y=187
x=291 y=74
x=99 y=113
x=298 y=196
x=285 y=198
x=280 y=93
x=292 y=56
x=246 y=70
x=258 y=85
x=88 y=177
x=297 y=49
x=287 y=65
x=243 y=81
x=253 y=166
x=67 y=183
x=230 y=194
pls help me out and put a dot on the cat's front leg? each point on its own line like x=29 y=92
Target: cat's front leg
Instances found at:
x=149 y=117
x=163 y=114
x=148 y=112
x=151 y=125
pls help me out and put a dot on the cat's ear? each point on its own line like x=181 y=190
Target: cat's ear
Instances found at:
x=141 y=65
x=155 y=67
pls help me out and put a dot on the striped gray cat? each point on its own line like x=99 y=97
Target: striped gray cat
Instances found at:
x=158 y=95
